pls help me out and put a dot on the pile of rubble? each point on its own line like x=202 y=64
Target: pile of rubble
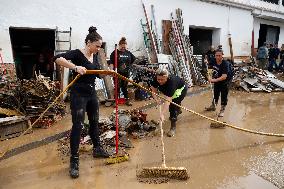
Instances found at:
x=252 y=79
x=31 y=98
x=132 y=123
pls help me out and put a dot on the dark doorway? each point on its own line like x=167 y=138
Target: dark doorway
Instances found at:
x=33 y=50
x=200 y=39
x=268 y=34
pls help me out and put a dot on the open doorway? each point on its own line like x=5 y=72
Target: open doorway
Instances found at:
x=268 y=34
x=33 y=50
x=200 y=39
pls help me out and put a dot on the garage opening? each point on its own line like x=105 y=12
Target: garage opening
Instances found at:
x=33 y=50
x=200 y=39
x=268 y=34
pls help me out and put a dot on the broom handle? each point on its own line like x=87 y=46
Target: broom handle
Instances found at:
x=116 y=100
x=162 y=140
x=209 y=75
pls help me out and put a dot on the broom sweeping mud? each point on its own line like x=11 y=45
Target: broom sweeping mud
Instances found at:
x=179 y=173
x=116 y=158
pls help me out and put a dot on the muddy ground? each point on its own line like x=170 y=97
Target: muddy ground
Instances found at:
x=215 y=158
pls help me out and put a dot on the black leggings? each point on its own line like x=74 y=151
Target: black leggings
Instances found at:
x=223 y=89
x=79 y=105
x=173 y=109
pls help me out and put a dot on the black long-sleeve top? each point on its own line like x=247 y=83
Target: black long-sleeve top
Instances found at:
x=86 y=83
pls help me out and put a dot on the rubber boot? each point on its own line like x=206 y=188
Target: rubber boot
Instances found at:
x=128 y=103
x=172 y=131
x=222 y=111
x=100 y=152
x=74 y=166
x=157 y=130
x=211 y=108
x=179 y=111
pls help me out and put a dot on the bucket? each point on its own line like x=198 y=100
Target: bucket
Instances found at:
x=121 y=100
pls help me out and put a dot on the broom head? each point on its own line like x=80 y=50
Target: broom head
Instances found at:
x=177 y=173
x=217 y=125
x=117 y=159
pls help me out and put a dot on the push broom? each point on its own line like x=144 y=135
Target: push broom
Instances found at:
x=178 y=173
x=116 y=158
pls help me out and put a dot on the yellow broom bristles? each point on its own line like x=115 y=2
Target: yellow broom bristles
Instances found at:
x=179 y=173
x=117 y=159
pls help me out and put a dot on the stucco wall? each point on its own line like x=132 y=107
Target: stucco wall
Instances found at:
x=115 y=19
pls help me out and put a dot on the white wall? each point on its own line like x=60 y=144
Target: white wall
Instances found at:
x=195 y=13
x=258 y=21
x=115 y=19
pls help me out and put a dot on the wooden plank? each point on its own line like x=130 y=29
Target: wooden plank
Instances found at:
x=166 y=27
x=13 y=128
x=64 y=80
x=107 y=79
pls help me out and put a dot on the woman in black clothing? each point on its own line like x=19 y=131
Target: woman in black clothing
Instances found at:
x=83 y=96
x=174 y=89
x=124 y=61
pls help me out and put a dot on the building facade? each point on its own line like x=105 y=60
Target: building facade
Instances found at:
x=249 y=23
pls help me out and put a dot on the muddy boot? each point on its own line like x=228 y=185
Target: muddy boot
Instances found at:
x=128 y=103
x=172 y=131
x=157 y=130
x=74 y=167
x=211 y=108
x=179 y=111
x=100 y=152
x=222 y=111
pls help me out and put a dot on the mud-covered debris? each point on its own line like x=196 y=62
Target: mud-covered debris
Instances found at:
x=131 y=123
x=250 y=78
x=107 y=135
x=31 y=98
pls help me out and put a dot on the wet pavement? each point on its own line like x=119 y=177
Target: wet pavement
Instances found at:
x=215 y=158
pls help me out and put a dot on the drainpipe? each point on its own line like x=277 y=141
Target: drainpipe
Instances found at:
x=252 y=42
x=230 y=36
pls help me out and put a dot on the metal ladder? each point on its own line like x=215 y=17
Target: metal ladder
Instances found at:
x=62 y=45
x=62 y=38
